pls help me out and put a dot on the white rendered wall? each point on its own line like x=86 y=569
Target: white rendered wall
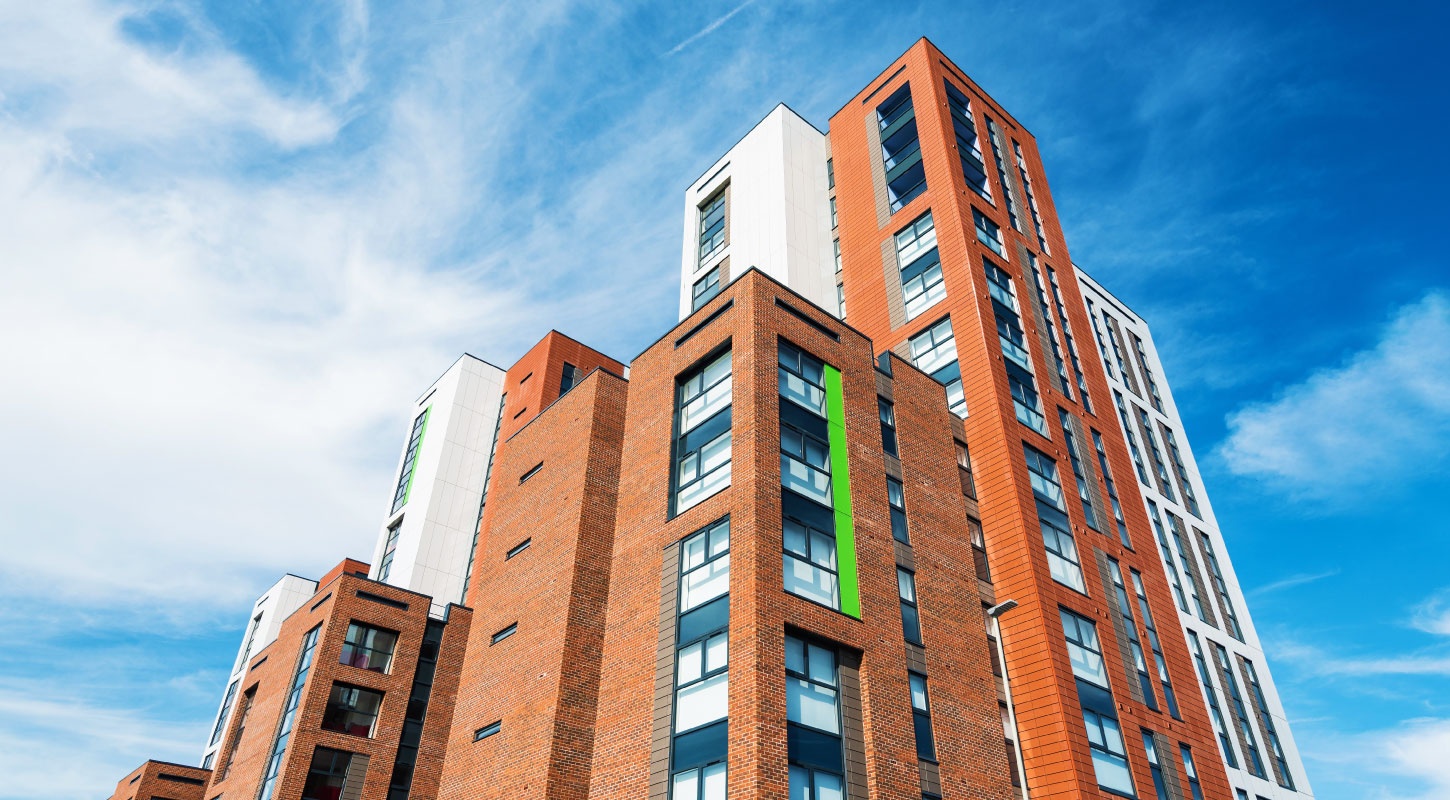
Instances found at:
x=275 y=604
x=441 y=515
x=778 y=214
x=1250 y=648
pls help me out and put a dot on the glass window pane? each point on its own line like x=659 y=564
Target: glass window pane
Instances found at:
x=705 y=583
x=717 y=652
x=828 y=786
x=714 y=782
x=702 y=703
x=812 y=705
x=688 y=666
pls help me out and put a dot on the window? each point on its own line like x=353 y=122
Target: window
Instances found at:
x=1240 y=712
x=352 y=710
x=1266 y=719
x=1098 y=334
x=1171 y=568
x=231 y=746
x=1220 y=730
x=712 y=224
x=705 y=289
x=896 y=499
x=400 y=783
x=368 y=647
x=900 y=148
x=702 y=687
x=1185 y=483
x=1164 y=484
x=1220 y=587
x=700 y=783
x=1113 y=493
x=1151 y=630
x=1124 y=607
x=1084 y=495
x=1083 y=650
x=910 y=617
x=964 y=463
x=1191 y=772
x=221 y=720
x=1132 y=442
x=1160 y=788
x=1062 y=557
x=1147 y=374
x=568 y=378
x=289 y=713
x=841 y=300
x=802 y=378
x=410 y=461
x=534 y=470
x=518 y=548
x=920 y=263
x=1025 y=400
x=888 y=425
x=988 y=233
x=968 y=145
x=979 y=550
x=921 y=717
x=805 y=463
x=834 y=223
x=1049 y=325
x=994 y=135
x=488 y=730
x=504 y=633
x=702 y=443
x=705 y=566
x=813 y=721
x=830 y=173
x=327 y=775
x=934 y=351
x=1189 y=569
x=1067 y=337
x=1027 y=191
x=1110 y=758
x=702 y=660
x=809 y=559
x=385 y=565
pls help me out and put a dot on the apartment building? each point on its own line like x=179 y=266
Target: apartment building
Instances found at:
x=860 y=525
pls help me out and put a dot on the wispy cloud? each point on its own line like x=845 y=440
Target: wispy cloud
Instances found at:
x=1291 y=581
x=1433 y=615
x=1403 y=762
x=708 y=29
x=1379 y=418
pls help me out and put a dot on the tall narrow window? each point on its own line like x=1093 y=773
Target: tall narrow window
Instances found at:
x=809 y=560
x=921 y=718
x=1150 y=746
x=1156 y=399
x=221 y=720
x=813 y=721
x=1240 y=711
x=1050 y=326
x=702 y=438
x=1151 y=631
x=1185 y=483
x=1165 y=484
x=969 y=147
x=994 y=135
x=1215 y=713
x=920 y=263
x=705 y=289
x=1191 y=772
x=1195 y=592
x=1031 y=200
x=1084 y=495
x=385 y=565
x=410 y=460
x=569 y=376
x=1266 y=720
x=1083 y=650
x=896 y=499
x=989 y=233
x=712 y=225
x=888 y=425
x=1067 y=337
x=934 y=351
x=702 y=660
x=293 y=699
x=964 y=465
x=910 y=618
x=1102 y=454
x=900 y=148
x=979 y=550
x=1062 y=557
x=1171 y=568
x=1132 y=442
x=1220 y=587
x=1124 y=607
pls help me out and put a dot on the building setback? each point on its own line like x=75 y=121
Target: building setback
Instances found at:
x=868 y=522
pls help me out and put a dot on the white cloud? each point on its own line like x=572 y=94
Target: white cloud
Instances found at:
x=1379 y=418
x=1298 y=579
x=1433 y=615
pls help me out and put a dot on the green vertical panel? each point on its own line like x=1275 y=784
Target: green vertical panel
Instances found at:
x=408 y=492
x=841 y=495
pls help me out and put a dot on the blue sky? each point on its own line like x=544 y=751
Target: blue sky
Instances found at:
x=238 y=238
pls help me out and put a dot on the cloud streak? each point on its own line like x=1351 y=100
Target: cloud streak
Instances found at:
x=1292 y=581
x=708 y=29
x=1376 y=420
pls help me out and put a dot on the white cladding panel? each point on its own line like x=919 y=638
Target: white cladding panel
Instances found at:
x=438 y=522
x=778 y=214
x=1131 y=325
